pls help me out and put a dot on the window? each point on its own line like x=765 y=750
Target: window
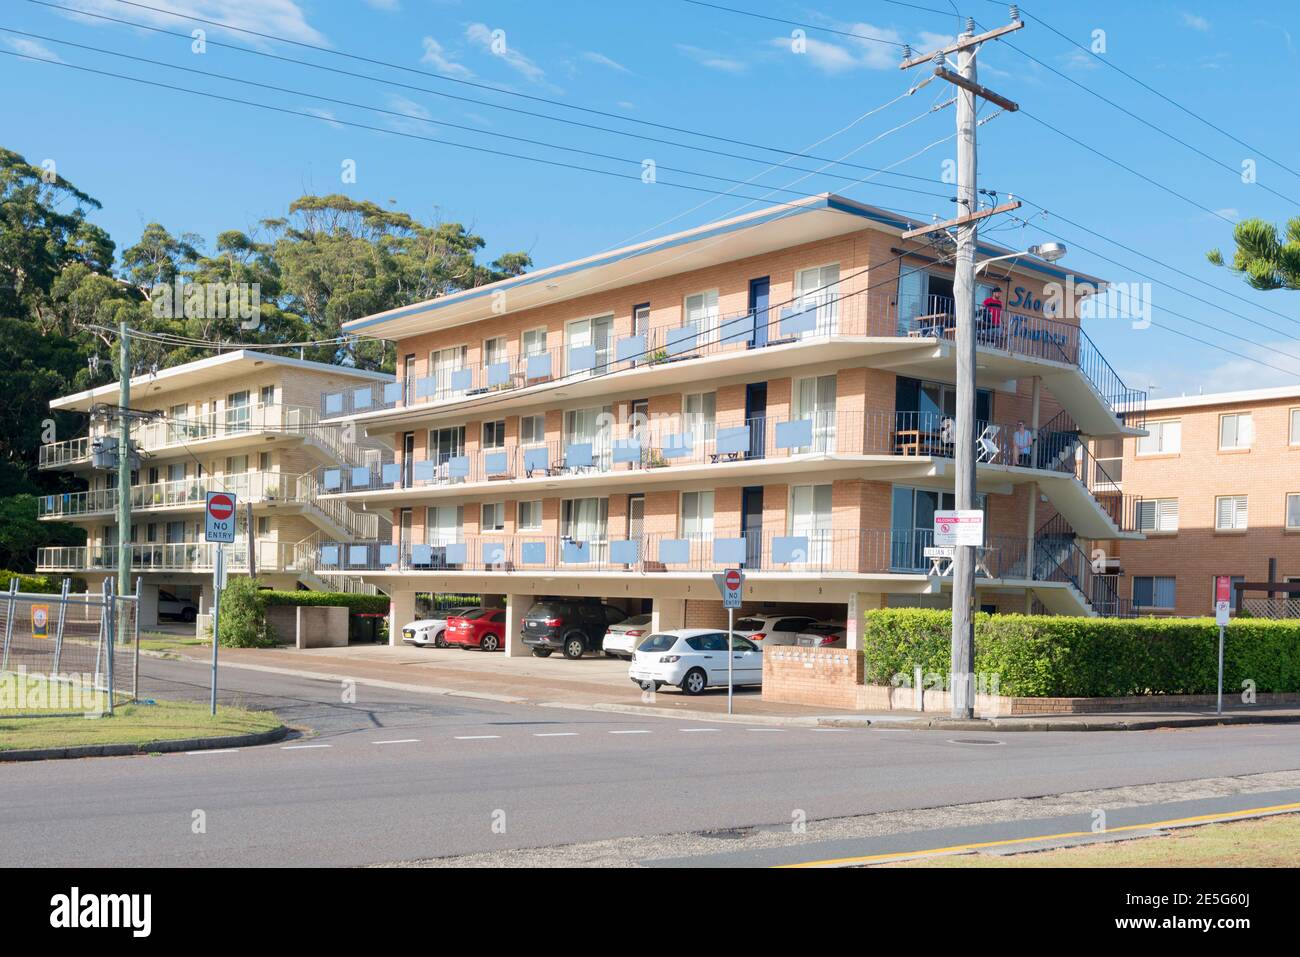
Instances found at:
x=179 y=425
x=176 y=472
x=444 y=362
x=1154 y=591
x=699 y=416
x=266 y=395
x=1165 y=438
x=236 y=464
x=584 y=519
x=446 y=444
x=494 y=517
x=1293 y=511
x=494 y=350
x=1295 y=427
x=818 y=289
x=1109 y=454
x=530 y=516
x=700 y=312
x=494 y=434
x=264 y=461
x=263 y=526
x=581 y=333
x=641 y=319
x=237 y=411
x=533 y=342
x=590 y=427
x=1157 y=515
x=1236 y=430
x=1230 y=513
x=697 y=514
x=444 y=524
x=814 y=398
x=532 y=429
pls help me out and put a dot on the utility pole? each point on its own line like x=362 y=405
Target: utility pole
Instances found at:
x=124 y=463
x=966 y=224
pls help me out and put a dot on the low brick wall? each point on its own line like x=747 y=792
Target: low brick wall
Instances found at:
x=834 y=678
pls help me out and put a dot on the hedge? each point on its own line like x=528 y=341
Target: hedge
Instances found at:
x=1057 y=656
x=37 y=584
x=358 y=604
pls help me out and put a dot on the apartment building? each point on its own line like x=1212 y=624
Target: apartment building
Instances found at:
x=773 y=391
x=246 y=422
x=1216 y=483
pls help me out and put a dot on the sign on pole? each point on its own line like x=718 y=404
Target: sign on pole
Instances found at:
x=40 y=621
x=731 y=586
x=964 y=527
x=220 y=515
x=1222 y=606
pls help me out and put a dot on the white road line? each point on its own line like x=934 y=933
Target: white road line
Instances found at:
x=216 y=751
x=304 y=747
x=639 y=731
x=398 y=741
x=476 y=737
x=691 y=730
x=555 y=734
x=765 y=729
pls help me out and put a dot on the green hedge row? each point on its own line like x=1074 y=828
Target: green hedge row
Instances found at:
x=361 y=604
x=37 y=584
x=1057 y=656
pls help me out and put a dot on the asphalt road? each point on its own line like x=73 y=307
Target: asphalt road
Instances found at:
x=400 y=776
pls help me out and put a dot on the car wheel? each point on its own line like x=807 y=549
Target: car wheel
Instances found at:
x=490 y=643
x=440 y=640
x=574 y=646
x=695 y=681
x=187 y=615
x=541 y=652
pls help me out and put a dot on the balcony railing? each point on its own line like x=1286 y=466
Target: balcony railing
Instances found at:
x=257 y=487
x=819 y=551
x=179 y=557
x=684 y=440
x=57 y=455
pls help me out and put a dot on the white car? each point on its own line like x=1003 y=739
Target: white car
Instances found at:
x=823 y=634
x=694 y=659
x=621 y=639
x=172 y=607
x=772 y=629
x=426 y=632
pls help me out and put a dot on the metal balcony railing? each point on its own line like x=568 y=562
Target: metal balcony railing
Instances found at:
x=180 y=557
x=57 y=455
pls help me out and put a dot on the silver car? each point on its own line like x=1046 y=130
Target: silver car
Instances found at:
x=622 y=638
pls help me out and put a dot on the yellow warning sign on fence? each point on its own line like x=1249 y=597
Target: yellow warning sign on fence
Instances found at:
x=40 y=621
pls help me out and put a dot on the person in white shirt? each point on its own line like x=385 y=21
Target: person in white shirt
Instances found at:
x=1023 y=440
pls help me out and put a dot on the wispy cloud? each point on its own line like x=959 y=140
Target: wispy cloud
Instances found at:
x=412 y=123
x=281 y=18
x=599 y=58
x=32 y=48
x=499 y=46
x=437 y=57
x=325 y=115
x=1195 y=22
x=713 y=59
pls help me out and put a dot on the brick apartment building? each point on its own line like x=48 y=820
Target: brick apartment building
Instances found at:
x=1216 y=486
x=773 y=391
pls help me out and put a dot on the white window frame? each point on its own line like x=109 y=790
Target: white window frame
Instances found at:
x=706 y=318
x=1293 y=432
x=1292 y=496
x=1250 y=430
x=530 y=524
x=535 y=348
x=1163 y=514
x=497 y=520
x=817 y=287
x=524 y=439
x=435 y=358
x=1168 y=441
x=696 y=519
x=700 y=422
x=1240 y=513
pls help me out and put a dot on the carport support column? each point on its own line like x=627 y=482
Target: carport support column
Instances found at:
x=667 y=614
x=855 y=616
x=516 y=607
x=148 y=606
x=401 y=609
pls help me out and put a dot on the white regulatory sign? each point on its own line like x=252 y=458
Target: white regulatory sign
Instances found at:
x=731 y=586
x=964 y=527
x=220 y=515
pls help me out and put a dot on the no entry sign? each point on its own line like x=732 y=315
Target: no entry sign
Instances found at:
x=220 y=514
x=731 y=584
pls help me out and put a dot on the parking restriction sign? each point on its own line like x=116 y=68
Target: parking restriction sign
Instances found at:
x=220 y=514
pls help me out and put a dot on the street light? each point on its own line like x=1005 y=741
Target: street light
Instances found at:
x=1048 y=252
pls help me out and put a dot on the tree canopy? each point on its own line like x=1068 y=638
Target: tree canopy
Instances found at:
x=1267 y=257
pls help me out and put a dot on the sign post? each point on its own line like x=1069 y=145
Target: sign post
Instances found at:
x=731 y=586
x=1222 y=608
x=219 y=514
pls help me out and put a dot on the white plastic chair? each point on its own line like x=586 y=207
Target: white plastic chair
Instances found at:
x=987 y=448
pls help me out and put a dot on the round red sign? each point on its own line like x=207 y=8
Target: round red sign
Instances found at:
x=733 y=579
x=220 y=506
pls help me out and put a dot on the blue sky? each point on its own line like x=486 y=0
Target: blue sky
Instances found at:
x=199 y=165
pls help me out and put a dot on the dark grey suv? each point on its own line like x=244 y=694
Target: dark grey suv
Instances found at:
x=571 y=626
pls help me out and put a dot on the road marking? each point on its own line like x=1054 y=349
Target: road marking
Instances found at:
x=398 y=741
x=555 y=734
x=765 y=729
x=1154 y=825
x=476 y=737
x=216 y=751
x=692 y=730
x=304 y=747
x=642 y=731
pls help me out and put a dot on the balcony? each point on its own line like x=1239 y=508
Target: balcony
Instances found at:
x=177 y=557
x=817 y=553
x=902 y=332
x=263 y=488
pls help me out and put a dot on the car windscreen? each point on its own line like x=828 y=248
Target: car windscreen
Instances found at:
x=475 y=613
x=658 y=643
x=552 y=610
x=749 y=624
x=637 y=620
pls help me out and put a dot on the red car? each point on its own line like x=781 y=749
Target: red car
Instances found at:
x=483 y=628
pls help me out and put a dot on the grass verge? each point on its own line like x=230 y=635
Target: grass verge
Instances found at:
x=1255 y=842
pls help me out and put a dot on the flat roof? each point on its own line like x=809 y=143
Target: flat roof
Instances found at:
x=740 y=237
x=1225 y=398
x=220 y=367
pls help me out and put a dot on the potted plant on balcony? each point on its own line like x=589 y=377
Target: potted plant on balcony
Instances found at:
x=655 y=459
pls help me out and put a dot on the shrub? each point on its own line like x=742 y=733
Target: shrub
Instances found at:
x=1059 y=656
x=372 y=604
x=243 y=614
x=37 y=584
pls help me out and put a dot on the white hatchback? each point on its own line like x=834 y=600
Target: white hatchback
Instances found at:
x=426 y=632
x=695 y=659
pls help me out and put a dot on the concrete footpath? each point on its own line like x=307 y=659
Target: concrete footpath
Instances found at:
x=601 y=684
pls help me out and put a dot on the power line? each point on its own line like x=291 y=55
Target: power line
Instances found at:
x=485 y=103
x=1150 y=89
x=422 y=119
x=795 y=23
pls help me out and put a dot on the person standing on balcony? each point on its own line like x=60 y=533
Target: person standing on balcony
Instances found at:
x=991 y=316
x=1023 y=440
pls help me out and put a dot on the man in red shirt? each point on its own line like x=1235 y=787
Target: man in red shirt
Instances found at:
x=991 y=316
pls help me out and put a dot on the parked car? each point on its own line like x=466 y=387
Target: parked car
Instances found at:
x=430 y=632
x=169 y=606
x=623 y=637
x=482 y=628
x=572 y=626
x=823 y=634
x=694 y=659
x=772 y=629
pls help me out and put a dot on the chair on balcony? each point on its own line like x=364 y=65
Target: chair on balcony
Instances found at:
x=987 y=450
